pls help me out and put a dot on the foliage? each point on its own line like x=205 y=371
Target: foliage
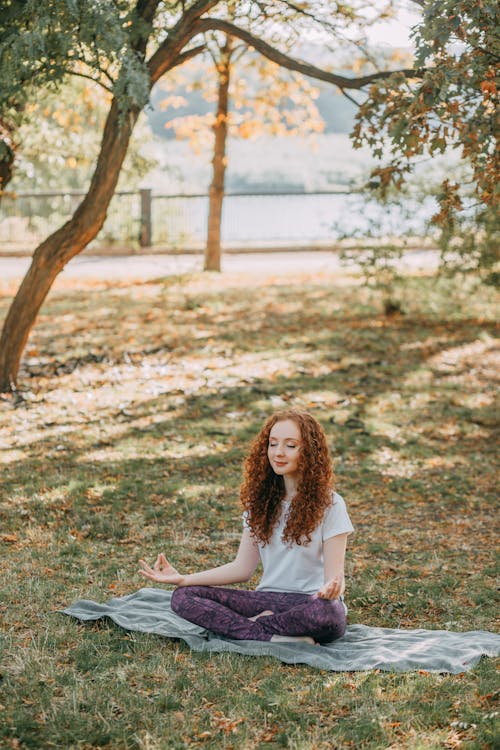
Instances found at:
x=61 y=138
x=452 y=106
x=395 y=220
x=146 y=30
x=264 y=100
x=141 y=400
x=41 y=43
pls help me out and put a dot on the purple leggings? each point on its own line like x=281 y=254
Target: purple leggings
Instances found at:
x=226 y=611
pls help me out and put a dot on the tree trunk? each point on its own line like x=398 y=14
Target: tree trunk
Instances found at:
x=6 y=166
x=216 y=195
x=7 y=154
x=52 y=255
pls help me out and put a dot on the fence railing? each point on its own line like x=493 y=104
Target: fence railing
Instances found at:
x=178 y=222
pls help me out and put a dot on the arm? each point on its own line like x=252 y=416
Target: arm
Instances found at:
x=240 y=569
x=333 y=561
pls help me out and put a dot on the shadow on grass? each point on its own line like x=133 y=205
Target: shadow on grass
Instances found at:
x=413 y=456
x=104 y=464
x=181 y=324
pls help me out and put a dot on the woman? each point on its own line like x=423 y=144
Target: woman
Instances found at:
x=296 y=525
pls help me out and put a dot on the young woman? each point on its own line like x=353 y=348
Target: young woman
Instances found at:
x=296 y=526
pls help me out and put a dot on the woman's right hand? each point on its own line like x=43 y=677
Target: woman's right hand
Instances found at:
x=161 y=572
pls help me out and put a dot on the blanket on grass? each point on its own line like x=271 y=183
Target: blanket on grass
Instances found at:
x=361 y=648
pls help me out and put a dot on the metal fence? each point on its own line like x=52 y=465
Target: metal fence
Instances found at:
x=28 y=218
x=178 y=223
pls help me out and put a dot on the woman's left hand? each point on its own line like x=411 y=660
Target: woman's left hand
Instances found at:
x=331 y=589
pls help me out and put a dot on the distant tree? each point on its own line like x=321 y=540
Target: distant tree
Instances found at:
x=219 y=161
x=156 y=38
x=452 y=105
x=253 y=98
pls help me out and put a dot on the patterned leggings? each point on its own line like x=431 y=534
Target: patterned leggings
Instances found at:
x=226 y=611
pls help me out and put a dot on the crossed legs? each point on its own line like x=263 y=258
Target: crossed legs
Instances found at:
x=228 y=611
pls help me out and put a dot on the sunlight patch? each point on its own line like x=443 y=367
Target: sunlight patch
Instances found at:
x=100 y=455
x=187 y=450
x=481 y=355
x=323 y=398
x=12 y=456
x=37 y=536
x=429 y=342
x=474 y=400
x=443 y=462
x=421 y=399
x=393 y=465
x=419 y=378
x=449 y=429
x=389 y=401
x=197 y=491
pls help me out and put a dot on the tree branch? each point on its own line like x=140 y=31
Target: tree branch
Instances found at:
x=310 y=16
x=189 y=53
x=169 y=54
x=81 y=58
x=146 y=10
x=285 y=61
x=90 y=78
x=351 y=98
x=238 y=52
x=160 y=64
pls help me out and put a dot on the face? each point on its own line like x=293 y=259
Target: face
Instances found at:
x=284 y=448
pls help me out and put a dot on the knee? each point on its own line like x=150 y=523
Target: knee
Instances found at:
x=324 y=606
x=182 y=598
x=331 y=613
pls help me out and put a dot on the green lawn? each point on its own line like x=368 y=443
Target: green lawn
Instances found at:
x=139 y=401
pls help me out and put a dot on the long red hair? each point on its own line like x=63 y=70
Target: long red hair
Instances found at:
x=262 y=491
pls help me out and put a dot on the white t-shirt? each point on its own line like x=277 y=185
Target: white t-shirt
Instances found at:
x=299 y=568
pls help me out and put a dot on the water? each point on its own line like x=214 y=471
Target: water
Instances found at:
x=285 y=220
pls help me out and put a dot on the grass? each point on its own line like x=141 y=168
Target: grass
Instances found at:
x=138 y=403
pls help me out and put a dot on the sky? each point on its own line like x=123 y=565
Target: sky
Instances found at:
x=396 y=31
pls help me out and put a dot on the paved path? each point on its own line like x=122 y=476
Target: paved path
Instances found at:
x=145 y=267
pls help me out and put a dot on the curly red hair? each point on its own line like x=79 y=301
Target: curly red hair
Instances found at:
x=262 y=491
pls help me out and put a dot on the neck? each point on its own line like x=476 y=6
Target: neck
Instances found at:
x=290 y=487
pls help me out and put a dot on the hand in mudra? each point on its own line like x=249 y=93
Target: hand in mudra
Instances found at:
x=330 y=590
x=161 y=572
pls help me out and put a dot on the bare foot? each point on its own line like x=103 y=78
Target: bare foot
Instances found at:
x=265 y=613
x=292 y=638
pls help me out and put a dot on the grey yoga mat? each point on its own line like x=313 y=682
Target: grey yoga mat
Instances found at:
x=361 y=648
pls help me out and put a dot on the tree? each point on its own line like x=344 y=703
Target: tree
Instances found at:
x=11 y=103
x=42 y=43
x=452 y=105
x=220 y=128
x=253 y=97
x=157 y=37
x=70 y=119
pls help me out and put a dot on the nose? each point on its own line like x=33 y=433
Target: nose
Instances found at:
x=279 y=450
